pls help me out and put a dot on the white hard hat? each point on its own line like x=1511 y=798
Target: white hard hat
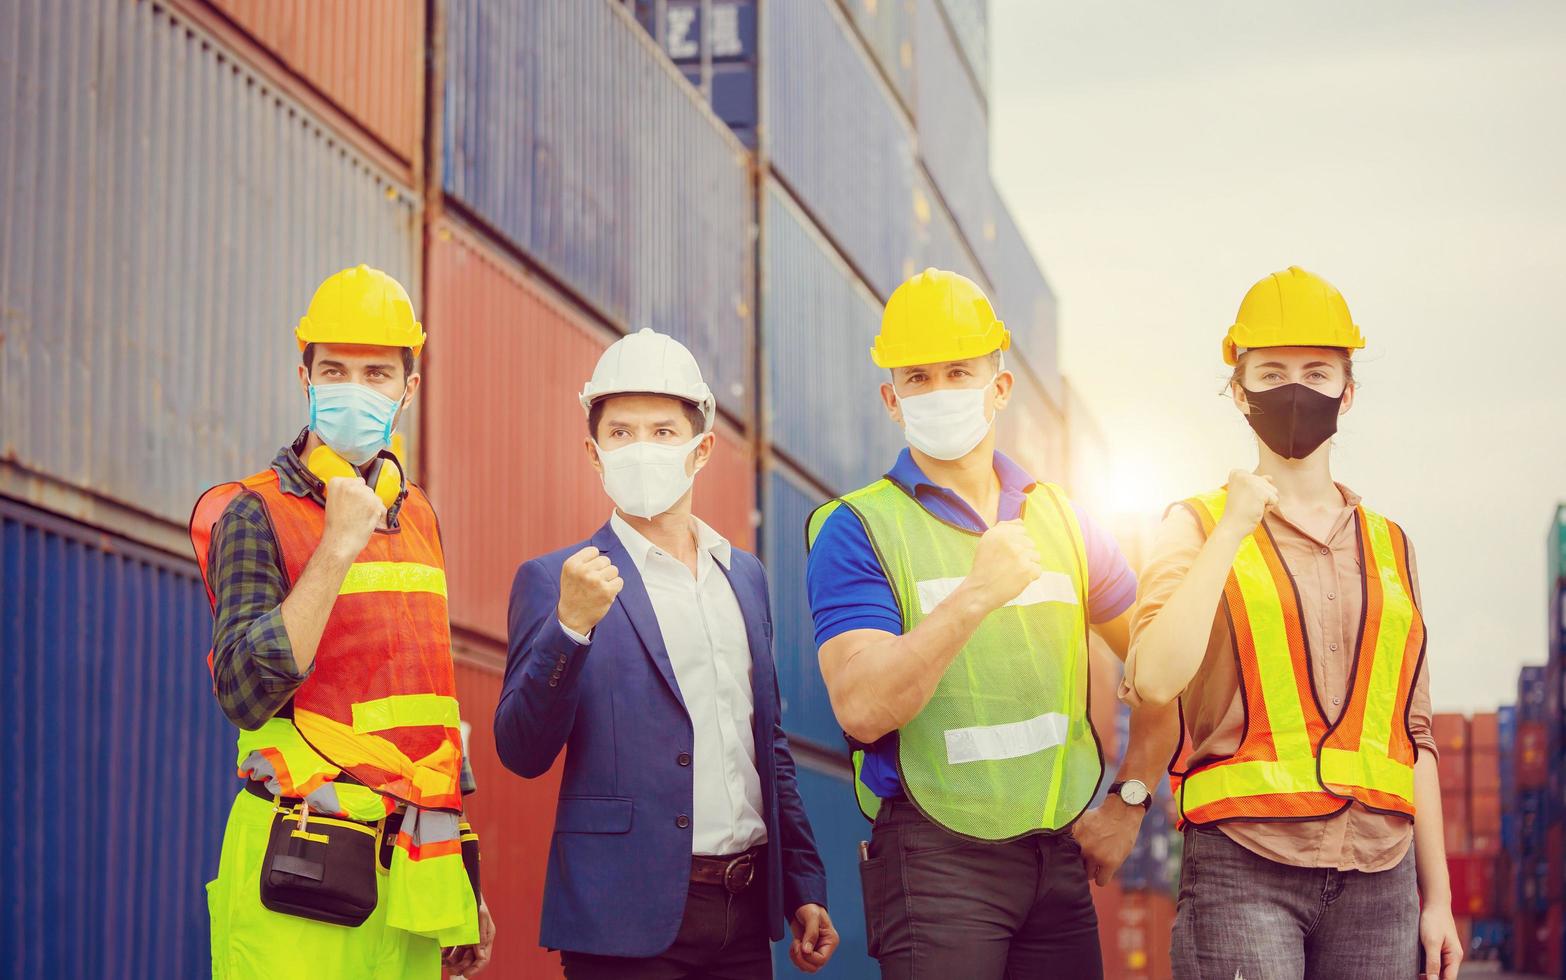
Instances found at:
x=648 y=362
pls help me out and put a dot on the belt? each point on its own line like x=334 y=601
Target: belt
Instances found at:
x=735 y=873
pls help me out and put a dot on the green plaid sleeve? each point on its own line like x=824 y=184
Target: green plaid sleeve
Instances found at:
x=252 y=661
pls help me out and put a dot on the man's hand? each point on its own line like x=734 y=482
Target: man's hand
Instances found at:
x=353 y=512
x=1006 y=563
x=1106 y=834
x=465 y=961
x=588 y=584
x=1442 y=945
x=814 y=938
x=1250 y=498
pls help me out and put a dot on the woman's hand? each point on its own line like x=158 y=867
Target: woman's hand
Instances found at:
x=1440 y=941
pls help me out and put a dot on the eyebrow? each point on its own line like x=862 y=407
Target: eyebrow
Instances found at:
x=621 y=422
x=367 y=367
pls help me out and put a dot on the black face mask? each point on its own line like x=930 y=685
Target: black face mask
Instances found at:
x=1293 y=419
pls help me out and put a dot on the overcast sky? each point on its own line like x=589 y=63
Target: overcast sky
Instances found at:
x=1162 y=157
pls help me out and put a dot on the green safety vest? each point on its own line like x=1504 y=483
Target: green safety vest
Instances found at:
x=1004 y=748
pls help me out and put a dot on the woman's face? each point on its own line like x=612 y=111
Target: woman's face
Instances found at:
x=1319 y=368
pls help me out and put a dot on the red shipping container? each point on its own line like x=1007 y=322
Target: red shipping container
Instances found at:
x=1137 y=946
x=504 y=457
x=515 y=820
x=1484 y=731
x=1473 y=884
x=1533 y=755
x=1451 y=738
x=1104 y=683
x=1552 y=940
x=1555 y=854
x=1454 y=818
x=1484 y=768
x=1106 y=904
x=366 y=56
x=1484 y=822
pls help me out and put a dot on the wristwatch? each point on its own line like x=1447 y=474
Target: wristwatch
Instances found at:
x=1133 y=792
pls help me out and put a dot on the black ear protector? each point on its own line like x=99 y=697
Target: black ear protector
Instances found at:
x=386 y=480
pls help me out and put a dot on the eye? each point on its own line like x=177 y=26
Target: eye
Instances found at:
x=1318 y=376
x=914 y=379
x=1272 y=376
x=665 y=432
x=959 y=372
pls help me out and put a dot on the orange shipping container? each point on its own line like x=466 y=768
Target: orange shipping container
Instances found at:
x=1454 y=818
x=503 y=432
x=366 y=56
x=1484 y=731
x=1451 y=738
x=515 y=819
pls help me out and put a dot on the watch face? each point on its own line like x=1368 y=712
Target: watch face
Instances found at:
x=1133 y=792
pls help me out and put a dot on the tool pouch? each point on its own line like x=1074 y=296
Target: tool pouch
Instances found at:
x=320 y=868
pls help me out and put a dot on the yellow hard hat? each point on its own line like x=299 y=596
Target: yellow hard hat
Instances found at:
x=1292 y=308
x=934 y=317
x=361 y=306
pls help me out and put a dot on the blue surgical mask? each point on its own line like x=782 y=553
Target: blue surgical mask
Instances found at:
x=355 y=421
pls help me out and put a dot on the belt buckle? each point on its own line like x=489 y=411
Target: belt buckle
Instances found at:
x=738 y=874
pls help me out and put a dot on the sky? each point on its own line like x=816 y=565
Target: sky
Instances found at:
x=1160 y=158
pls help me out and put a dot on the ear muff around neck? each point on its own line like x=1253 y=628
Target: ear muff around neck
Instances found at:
x=385 y=476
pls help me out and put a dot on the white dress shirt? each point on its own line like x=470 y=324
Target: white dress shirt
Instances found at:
x=709 y=650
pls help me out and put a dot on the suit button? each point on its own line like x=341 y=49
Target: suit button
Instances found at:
x=682 y=821
x=553 y=682
x=684 y=758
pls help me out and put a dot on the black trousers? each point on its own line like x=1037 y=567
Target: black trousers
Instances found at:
x=939 y=906
x=722 y=937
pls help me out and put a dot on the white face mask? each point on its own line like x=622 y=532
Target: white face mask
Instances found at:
x=946 y=424
x=645 y=479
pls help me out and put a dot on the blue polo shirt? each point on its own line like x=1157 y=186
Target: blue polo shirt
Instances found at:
x=849 y=590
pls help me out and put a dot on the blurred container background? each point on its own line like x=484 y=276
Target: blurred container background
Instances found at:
x=752 y=176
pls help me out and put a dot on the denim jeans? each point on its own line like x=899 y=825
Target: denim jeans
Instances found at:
x=1243 y=917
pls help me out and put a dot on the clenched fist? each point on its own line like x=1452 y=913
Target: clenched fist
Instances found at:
x=588 y=584
x=1250 y=498
x=353 y=512
x=1007 y=562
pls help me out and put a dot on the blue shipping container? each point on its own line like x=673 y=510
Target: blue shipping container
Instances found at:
x=954 y=132
x=839 y=827
x=168 y=215
x=887 y=28
x=835 y=136
x=1532 y=699
x=112 y=727
x=1025 y=301
x=818 y=322
x=569 y=134
x=787 y=502
x=970 y=21
x=730 y=52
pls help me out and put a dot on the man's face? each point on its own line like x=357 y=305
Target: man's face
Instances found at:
x=922 y=379
x=379 y=368
x=628 y=419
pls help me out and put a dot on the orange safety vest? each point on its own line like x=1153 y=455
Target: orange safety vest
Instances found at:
x=1292 y=763
x=381 y=701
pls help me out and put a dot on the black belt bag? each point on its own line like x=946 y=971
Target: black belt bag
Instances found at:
x=320 y=868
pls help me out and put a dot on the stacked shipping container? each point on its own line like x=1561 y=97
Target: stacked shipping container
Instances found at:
x=200 y=165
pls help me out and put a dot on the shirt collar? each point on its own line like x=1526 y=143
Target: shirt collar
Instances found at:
x=907 y=474
x=638 y=547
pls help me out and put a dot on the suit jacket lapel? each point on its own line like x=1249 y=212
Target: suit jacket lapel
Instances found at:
x=638 y=606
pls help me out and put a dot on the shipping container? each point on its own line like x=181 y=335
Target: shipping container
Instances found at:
x=1531 y=695
x=718 y=58
x=1532 y=761
x=103 y=645
x=1031 y=430
x=970 y=23
x=1136 y=946
x=953 y=128
x=568 y=133
x=515 y=820
x=507 y=465
x=366 y=56
x=787 y=500
x=1025 y=301
x=838 y=826
x=834 y=135
x=1454 y=819
x=1555 y=548
x=168 y=215
x=887 y=29
x=818 y=322
x=1450 y=732
x=1473 y=884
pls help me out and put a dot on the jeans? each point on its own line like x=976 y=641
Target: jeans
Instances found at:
x=940 y=906
x=1243 y=916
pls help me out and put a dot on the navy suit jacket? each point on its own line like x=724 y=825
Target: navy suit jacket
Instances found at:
x=620 y=861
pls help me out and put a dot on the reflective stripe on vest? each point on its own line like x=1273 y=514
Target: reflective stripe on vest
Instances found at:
x=1004 y=747
x=380 y=702
x=1291 y=763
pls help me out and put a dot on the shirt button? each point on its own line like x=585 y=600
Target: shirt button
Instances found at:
x=1325 y=551
x=1332 y=595
x=684 y=758
x=1337 y=700
x=682 y=821
x=1333 y=647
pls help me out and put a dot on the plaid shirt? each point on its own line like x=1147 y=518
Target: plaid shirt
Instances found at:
x=253 y=665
